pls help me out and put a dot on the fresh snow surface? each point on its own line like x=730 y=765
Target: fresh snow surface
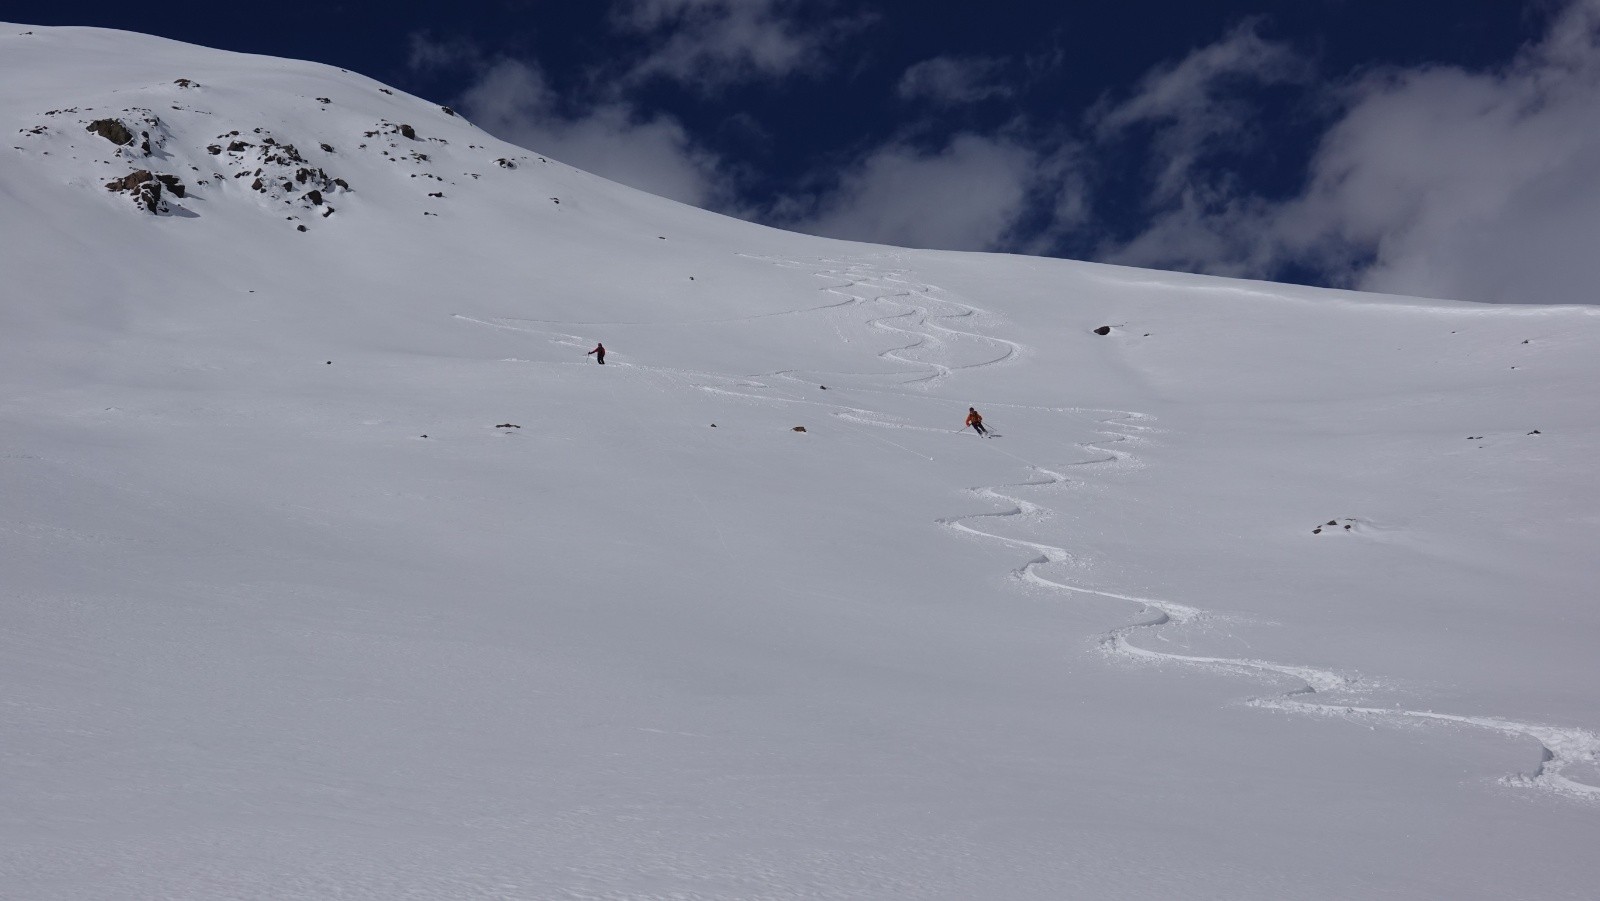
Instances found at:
x=263 y=640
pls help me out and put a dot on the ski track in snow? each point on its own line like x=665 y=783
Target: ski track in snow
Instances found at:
x=1560 y=747
x=922 y=318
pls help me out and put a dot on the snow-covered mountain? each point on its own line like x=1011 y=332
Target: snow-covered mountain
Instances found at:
x=331 y=566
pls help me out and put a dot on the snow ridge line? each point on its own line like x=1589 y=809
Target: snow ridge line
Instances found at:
x=1561 y=748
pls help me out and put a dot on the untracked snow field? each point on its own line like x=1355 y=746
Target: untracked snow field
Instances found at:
x=332 y=567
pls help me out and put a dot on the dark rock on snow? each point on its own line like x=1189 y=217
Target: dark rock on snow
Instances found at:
x=112 y=131
x=145 y=186
x=130 y=181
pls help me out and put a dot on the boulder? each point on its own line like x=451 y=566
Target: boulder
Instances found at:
x=112 y=130
x=145 y=188
x=130 y=181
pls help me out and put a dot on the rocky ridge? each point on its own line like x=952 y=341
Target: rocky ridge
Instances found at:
x=175 y=161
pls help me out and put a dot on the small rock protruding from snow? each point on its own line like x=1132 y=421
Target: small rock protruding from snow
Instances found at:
x=798 y=428
x=1103 y=330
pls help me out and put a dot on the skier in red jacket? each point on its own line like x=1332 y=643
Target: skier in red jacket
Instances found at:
x=975 y=419
x=599 y=353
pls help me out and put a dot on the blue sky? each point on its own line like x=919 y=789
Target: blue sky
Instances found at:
x=1438 y=147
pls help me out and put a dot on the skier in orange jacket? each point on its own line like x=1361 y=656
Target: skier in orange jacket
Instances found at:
x=975 y=419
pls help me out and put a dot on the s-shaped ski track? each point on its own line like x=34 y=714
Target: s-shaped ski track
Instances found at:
x=1561 y=748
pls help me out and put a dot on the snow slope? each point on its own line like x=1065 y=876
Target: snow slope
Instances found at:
x=1270 y=592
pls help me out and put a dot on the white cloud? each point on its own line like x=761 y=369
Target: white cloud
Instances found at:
x=706 y=44
x=1434 y=181
x=1193 y=106
x=654 y=153
x=953 y=80
x=428 y=53
x=968 y=195
x=709 y=44
x=1478 y=186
